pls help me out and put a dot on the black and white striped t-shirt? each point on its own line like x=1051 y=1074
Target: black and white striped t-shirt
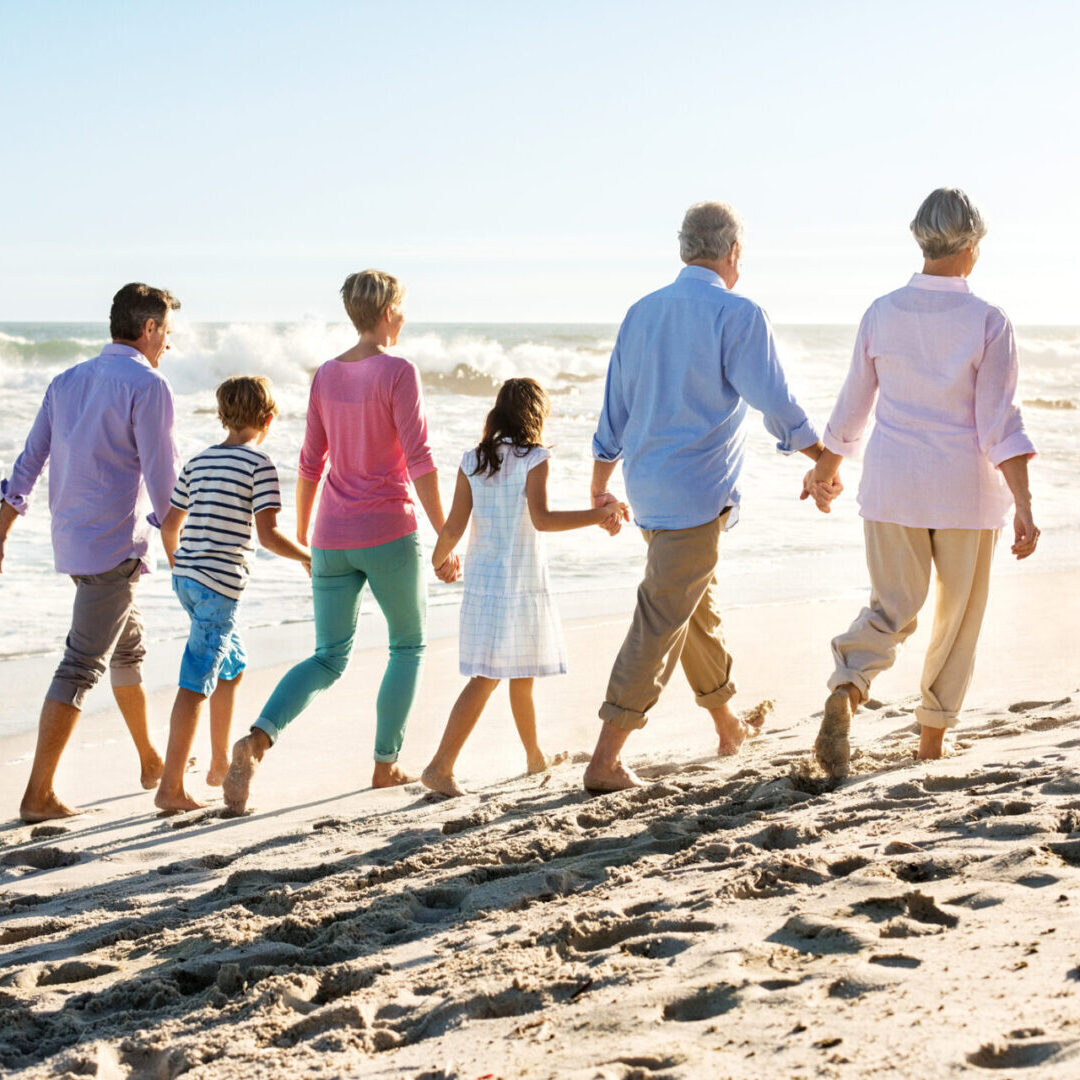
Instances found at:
x=222 y=489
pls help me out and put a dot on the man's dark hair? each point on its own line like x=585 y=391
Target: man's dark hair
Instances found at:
x=133 y=305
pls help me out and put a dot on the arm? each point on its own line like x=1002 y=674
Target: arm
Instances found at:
x=274 y=540
x=313 y=456
x=1026 y=536
x=8 y=514
x=305 y=500
x=26 y=470
x=152 y=425
x=998 y=423
x=454 y=529
x=171 y=525
x=427 y=491
x=600 y=496
x=545 y=520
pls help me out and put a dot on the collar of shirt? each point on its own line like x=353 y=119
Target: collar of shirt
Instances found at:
x=115 y=349
x=702 y=273
x=939 y=284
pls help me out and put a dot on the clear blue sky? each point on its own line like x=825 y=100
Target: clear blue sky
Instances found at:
x=516 y=161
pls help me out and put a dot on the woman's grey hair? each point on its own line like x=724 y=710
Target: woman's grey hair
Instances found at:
x=946 y=223
x=709 y=231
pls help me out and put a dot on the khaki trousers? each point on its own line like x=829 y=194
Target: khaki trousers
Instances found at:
x=677 y=619
x=900 y=559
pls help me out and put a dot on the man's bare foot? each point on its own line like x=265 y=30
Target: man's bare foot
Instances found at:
x=831 y=748
x=388 y=774
x=152 y=767
x=48 y=808
x=217 y=772
x=543 y=762
x=236 y=787
x=931 y=743
x=602 y=779
x=176 y=802
x=443 y=783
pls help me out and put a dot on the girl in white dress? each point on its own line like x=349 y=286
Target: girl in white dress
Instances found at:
x=509 y=628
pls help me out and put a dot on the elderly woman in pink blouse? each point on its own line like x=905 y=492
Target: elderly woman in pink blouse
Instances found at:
x=365 y=422
x=945 y=461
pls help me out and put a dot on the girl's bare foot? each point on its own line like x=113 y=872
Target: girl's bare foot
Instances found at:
x=931 y=743
x=48 y=808
x=542 y=762
x=388 y=774
x=152 y=767
x=443 y=783
x=602 y=779
x=176 y=802
x=246 y=755
x=215 y=776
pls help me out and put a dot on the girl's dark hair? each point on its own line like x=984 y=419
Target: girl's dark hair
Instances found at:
x=521 y=407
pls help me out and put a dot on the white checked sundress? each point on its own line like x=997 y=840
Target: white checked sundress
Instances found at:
x=509 y=626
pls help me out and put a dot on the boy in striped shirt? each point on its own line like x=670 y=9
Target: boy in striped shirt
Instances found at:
x=218 y=495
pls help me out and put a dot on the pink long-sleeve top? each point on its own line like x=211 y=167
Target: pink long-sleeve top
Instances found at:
x=366 y=417
x=941 y=364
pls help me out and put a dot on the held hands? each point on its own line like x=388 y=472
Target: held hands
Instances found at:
x=1026 y=535
x=449 y=570
x=821 y=489
x=618 y=512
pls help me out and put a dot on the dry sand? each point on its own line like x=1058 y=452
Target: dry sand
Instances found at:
x=735 y=917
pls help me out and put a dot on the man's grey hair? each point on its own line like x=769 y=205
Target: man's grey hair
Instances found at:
x=709 y=231
x=946 y=223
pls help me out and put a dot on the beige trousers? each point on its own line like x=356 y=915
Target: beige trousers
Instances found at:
x=677 y=618
x=900 y=559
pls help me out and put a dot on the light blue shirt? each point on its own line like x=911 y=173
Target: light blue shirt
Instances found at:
x=688 y=360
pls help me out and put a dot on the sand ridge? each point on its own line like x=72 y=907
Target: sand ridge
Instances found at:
x=729 y=919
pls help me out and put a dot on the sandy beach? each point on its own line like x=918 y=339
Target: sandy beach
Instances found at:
x=735 y=917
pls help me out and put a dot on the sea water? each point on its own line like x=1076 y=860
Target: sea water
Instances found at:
x=781 y=549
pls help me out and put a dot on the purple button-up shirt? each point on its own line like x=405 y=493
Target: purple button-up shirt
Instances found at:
x=107 y=424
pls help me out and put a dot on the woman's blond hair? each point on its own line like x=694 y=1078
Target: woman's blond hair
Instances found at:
x=368 y=294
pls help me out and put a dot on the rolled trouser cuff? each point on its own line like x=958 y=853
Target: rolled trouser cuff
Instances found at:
x=936 y=718
x=268 y=728
x=125 y=676
x=67 y=692
x=716 y=698
x=624 y=719
x=842 y=676
x=385 y=759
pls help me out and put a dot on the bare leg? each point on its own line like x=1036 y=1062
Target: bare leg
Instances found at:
x=831 y=748
x=733 y=730
x=606 y=772
x=39 y=802
x=439 y=775
x=182 y=724
x=222 y=701
x=131 y=701
x=246 y=755
x=524 y=712
x=931 y=742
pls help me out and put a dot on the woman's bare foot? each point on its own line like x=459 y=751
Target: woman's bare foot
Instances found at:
x=176 y=802
x=602 y=779
x=734 y=730
x=151 y=769
x=48 y=808
x=831 y=748
x=443 y=783
x=246 y=755
x=931 y=743
x=542 y=762
x=217 y=772
x=388 y=774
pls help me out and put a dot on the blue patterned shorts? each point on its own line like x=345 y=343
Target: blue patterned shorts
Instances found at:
x=214 y=649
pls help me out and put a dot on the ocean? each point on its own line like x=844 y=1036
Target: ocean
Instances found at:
x=781 y=550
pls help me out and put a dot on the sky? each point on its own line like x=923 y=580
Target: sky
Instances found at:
x=526 y=162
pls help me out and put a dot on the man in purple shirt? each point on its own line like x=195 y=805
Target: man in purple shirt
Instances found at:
x=107 y=425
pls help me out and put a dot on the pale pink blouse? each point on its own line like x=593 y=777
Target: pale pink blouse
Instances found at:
x=942 y=365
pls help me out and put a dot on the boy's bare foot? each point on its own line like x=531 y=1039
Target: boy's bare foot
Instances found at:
x=217 y=772
x=931 y=743
x=48 y=808
x=543 y=762
x=246 y=755
x=388 y=774
x=600 y=780
x=176 y=803
x=443 y=783
x=152 y=767
x=831 y=748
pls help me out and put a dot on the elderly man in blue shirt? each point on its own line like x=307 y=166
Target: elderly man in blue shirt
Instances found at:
x=688 y=361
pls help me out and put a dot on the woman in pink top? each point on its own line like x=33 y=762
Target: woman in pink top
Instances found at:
x=946 y=460
x=366 y=421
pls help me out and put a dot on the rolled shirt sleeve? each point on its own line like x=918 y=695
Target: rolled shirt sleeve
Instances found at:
x=851 y=413
x=607 y=441
x=753 y=368
x=17 y=488
x=998 y=422
x=407 y=406
x=153 y=424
